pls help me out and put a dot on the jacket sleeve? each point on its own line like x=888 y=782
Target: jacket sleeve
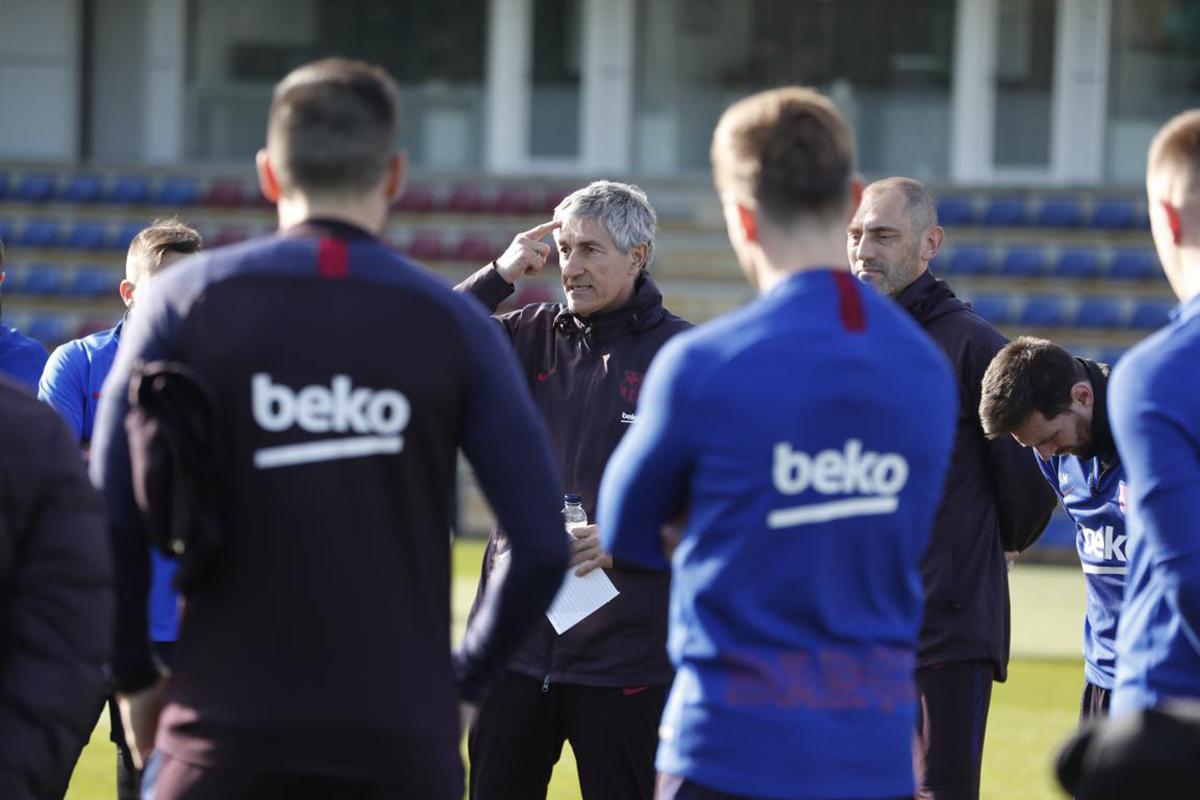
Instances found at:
x=56 y=628
x=1024 y=500
x=64 y=385
x=491 y=290
x=145 y=338
x=509 y=447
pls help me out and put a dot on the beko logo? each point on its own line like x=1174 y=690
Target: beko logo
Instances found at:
x=376 y=415
x=873 y=481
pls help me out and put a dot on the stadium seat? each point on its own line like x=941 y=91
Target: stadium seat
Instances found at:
x=3 y=187
x=1044 y=311
x=83 y=189
x=6 y=231
x=513 y=200
x=39 y=233
x=1060 y=213
x=1112 y=215
x=1099 y=312
x=231 y=235
x=1077 y=264
x=35 y=189
x=91 y=282
x=465 y=200
x=1150 y=314
x=1005 y=212
x=1110 y=356
x=1135 y=265
x=969 y=260
x=42 y=279
x=955 y=211
x=125 y=234
x=225 y=194
x=995 y=308
x=48 y=329
x=551 y=199
x=417 y=200
x=1022 y=262
x=87 y=235
x=90 y=326
x=129 y=191
x=476 y=249
x=177 y=192
x=426 y=247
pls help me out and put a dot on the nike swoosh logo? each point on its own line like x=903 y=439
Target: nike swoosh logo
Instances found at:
x=629 y=692
x=544 y=375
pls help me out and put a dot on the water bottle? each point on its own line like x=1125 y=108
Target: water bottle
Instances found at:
x=573 y=513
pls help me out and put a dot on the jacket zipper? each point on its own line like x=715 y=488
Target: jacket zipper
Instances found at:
x=546 y=684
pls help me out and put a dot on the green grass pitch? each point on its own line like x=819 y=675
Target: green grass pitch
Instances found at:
x=1030 y=714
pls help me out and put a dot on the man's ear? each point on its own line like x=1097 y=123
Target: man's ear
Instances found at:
x=637 y=257
x=931 y=244
x=126 y=290
x=1082 y=393
x=268 y=183
x=396 y=173
x=1174 y=219
x=748 y=222
x=857 y=187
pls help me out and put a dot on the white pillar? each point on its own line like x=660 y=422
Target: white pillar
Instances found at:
x=1081 y=91
x=507 y=89
x=609 y=55
x=973 y=92
x=165 y=110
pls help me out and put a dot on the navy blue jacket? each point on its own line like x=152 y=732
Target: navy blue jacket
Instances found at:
x=346 y=379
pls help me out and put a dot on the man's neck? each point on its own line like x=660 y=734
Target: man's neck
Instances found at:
x=368 y=214
x=804 y=251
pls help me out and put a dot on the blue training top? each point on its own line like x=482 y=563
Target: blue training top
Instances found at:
x=21 y=357
x=71 y=382
x=807 y=436
x=1093 y=493
x=1155 y=397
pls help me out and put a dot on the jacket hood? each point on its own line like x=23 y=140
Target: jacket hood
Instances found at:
x=929 y=298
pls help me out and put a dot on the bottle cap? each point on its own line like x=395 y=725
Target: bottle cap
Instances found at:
x=571 y=498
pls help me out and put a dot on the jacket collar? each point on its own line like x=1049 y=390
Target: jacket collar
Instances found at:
x=642 y=311
x=928 y=298
x=1102 y=445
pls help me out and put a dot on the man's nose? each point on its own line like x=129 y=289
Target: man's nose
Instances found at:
x=569 y=265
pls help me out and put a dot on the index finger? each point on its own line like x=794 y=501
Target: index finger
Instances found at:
x=540 y=231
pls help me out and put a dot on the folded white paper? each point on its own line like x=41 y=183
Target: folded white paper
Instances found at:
x=579 y=598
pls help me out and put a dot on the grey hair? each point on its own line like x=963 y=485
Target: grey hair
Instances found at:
x=622 y=208
x=919 y=205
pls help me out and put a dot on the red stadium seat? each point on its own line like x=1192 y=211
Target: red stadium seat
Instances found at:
x=466 y=200
x=476 y=249
x=225 y=194
x=426 y=247
x=417 y=200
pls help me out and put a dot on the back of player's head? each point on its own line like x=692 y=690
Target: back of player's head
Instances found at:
x=622 y=208
x=1174 y=155
x=1027 y=375
x=332 y=128
x=919 y=205
x=151 y=249
x=789 y=151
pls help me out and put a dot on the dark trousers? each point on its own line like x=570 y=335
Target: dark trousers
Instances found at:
x=519 y=733
x=951 y=722
x=673 y=787
x=1094 y=702
x=170 y=779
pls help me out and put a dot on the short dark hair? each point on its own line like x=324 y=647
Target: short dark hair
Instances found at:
x=789 y=150
x=1027 y=375
x=919 y=205
x=332 y=127
x=164 y=236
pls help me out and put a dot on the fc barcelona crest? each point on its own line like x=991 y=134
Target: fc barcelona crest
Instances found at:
x=631 y=387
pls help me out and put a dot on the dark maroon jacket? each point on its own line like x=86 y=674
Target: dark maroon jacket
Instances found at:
x=995 y=498
x=585 y=374
x=56 y=601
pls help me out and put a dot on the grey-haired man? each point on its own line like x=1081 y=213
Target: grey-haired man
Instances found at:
x=601 y=684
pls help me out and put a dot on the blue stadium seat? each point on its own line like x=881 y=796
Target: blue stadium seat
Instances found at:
x=91 y=282
x=125 y=234
x=83 y=189
x=1099 y=312
x=87 y=235
x=1061 y=213
x=969 y=259
x=1005 y=212
x=1110 y=356
x=995 y=308
x=1150 y=314
x=129 y=191
x=955 y=211
x=178 y=192
x=41 y=279
x=1077 y=264
x=1112 y=215
x=39 y=233
x=1135 y=265
x=1044 y=311
x=1023 y=262
x=3 y=186
x=35 y=189
x=47 y=329
x=6 y=231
